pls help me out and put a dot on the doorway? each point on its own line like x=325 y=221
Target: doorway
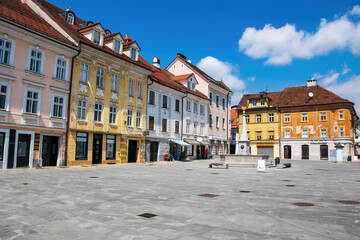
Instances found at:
x=50 y=150
x=154 y=151
x=97 y=148
x=132 y=151
x=287 y=152
x=324 y=152
x=23 y=150
x=305 y=152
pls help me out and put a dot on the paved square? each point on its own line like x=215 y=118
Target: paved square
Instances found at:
x=105 y=202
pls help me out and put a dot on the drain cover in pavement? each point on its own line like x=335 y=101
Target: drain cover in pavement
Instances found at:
x=348 y=202
x=147 y=215
x=94 y=177
x=303 y=204
x=188 y=169
x=290 y=185
x=215 y=173
x=208 y=195
x=244 y=191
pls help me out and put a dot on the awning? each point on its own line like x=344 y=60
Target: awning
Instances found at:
x=181 y=143
x=205 y=143
x=192 y=142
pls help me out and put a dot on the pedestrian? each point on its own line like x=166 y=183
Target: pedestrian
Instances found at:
x=206 y=153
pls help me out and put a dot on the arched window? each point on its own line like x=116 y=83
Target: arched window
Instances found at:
x=70 y=18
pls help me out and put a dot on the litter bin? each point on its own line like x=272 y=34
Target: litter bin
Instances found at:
x=349 y=158
x=277 y=161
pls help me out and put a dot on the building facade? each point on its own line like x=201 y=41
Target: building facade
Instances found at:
x=234 y=130
x=35 y=67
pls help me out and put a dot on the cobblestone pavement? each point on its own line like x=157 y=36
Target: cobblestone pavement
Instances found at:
x=104 y=202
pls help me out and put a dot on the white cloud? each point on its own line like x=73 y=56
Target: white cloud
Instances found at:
x=280 y=45
x=346 y=69
x=329 y=78
x=252 y=79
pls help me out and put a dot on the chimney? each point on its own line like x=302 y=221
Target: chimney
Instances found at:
x=181 y=56
x=311 y=82
x=127 y=39
x=156 y=62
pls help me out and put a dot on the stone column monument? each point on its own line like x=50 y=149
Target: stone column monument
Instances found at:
x=243 y=143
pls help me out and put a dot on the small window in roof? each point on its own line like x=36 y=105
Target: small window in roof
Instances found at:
x=70 y=18
x=117 y=45
x=96 y=37
x=133 y=54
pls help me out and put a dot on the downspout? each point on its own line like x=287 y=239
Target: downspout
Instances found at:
x=227 y=124
x=69 y=104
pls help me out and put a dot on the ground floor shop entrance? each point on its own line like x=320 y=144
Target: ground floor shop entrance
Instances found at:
x=304 y=151
x=287 y=152
x=132 y=151
x=154 y=147
x=266 y=151
x=97 y=149
x=50 y=150
x=324 y=152
x=23 y=150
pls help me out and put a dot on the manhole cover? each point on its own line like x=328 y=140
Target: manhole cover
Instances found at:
x=147 y=215
x=208 y=195
x=94 y=177
x=244 y=191
x=188 y=169
x=286 y=180
x=348 y=202
x=290 y=185
x=303 y=204
x=215 y=173
x=24 y=184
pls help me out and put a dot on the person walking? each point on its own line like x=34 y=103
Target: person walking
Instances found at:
x=206 y=153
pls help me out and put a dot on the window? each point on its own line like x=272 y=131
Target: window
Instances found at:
x=5 y=51
x=191 y=85
x=98 y=112
x=211 y=98
x=81 y=146
x=341 y=115
x=96 y=37
x=164 y=125
x=36 y=60
x=151 y=123
x=133 y=54
x=258 y=118
x=140 y=90
x=100 y=78
x=129 y=118
x=217 y=122
x=223 y=123
x=152 y=98
x=164 y=103
x=117 y=46
x=110 y=146
x=58 y=107
x=114 y=82
x=32 y=99
x=81 y=110
x=84 y=72
x=195 y=107
x=323 y=133
x=254 y=103
x=217 y=101
x=174 y=66
x=188 y=105
x=138 y=119
x=187 y=127
x=287 y=133
x=262 y=102
x=287 y=118
x=131 y=87
x=201 y=129
x=233 y=136
x=258 y=137
x=342 y=132
x=195 y=129
x=304 y=117
x=3 y=97
x=305 y=133
x=202 y=110
x=70 y=18
x=323 y=116
x=210 y=120
x=112 y=114
x=177 y=126
x=271 y=135
x=177 y=105
x=247 y=118
x=271 y=117
x=60 y=68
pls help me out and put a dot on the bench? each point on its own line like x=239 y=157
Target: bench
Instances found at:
x=225 y=165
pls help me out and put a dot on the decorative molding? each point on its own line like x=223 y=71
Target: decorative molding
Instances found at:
x=32 y=83
x=59 y=89
x=7 y=77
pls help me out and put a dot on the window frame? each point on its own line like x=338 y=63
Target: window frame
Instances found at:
x=131 y=87
x=322 y=135
x=223 y=123
x=140 y=89
x=82 y=108
x=164 y=101
x=305 y=133
x=342 y=132
x=211 y=121
x=130 y=118
x=217 y=122
x=86 y=145
x=84 y=72
x=38 y=100
x=202 y=110
x=117 y=46
x=323 y=116
x=177 y=105
x=164 y=127
x=138 y=119
x=113 y=115
x=217 y=101
x=224 y=103
x=151 y=123
x=98 y=112
x=115 y=78
x=133 y=54
x=195 y=107
x=177 y=127
x=63 y=96
x=188 y=105
x=287 y=133
x=66 y=68
x=254 y=103
x=258 y=118
x=304 y=117
x=341 y=115
x=42 y=60
x=11 y=50
x=6 y=95
x=94 y=37
x=211 y=97
x=100 y=78
x=109 y=141
x=287 y=118
x=152 y=100
x=271 y=117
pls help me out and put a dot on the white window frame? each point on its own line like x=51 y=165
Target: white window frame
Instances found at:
x=287 y=118
x=38 y=91
x=211 y=96
x=323 y=133
x=94 y=36
x=98 y=112
x=217 y=99
x=12 y=49
x=63 y=96
x=138 y=119
x=7 y=95
x=271 y=117
x=140 y=90
x=83 y=109
x=131 y=87
x=211 y=121
x=322 y=116
x=304 y=117
x=342 y=132
x=188 y=105
x=262 y=102
x=84 y=72
x=42 y=60
x=254 y=101
x=115 y=82
x=134 y=54
x=196 y=111
x=224 y=103
x=100 y=78
x=223 y=123
x=287 y=133
x=154 y=94
x=341 y=115
x=66 y=70
x=258 y=118
x=112 y=115
x=195 y=128
x=130 y=118
x=217 y=122
x=119 y=45
x=305 y=133
x=202 y=110
x=70 y=18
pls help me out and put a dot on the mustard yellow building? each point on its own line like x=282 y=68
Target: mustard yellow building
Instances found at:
x=262 y=122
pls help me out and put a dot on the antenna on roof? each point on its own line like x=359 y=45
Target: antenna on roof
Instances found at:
x=266 y=88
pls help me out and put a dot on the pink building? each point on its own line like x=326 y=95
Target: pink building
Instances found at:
x=219 y=107
x=35 y=67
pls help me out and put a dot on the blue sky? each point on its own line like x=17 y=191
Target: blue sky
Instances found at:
x=283 y=43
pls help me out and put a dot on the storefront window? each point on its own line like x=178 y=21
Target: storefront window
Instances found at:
x=110 y=146
x=81 y=146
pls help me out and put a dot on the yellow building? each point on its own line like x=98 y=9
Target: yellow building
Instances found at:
x=108 y=100
x=262 y=122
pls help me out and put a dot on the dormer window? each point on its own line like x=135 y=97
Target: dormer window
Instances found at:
x=191 y=85
x=117 y=46
x=70 y=18
x=133 y=54
x=96 y=37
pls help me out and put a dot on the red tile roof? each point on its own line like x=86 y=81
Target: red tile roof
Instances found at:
x=20 y=13
x=182 y=78
x=272 y=96
x=234 y=116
